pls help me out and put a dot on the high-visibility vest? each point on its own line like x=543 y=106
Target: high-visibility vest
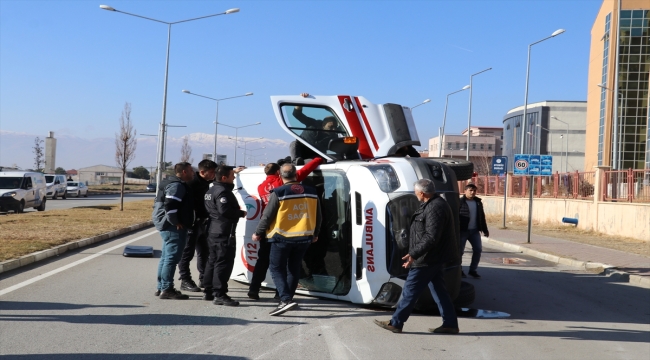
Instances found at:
x=297 y=213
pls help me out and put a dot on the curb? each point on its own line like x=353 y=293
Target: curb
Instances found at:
x=608 y=270
x=58 y=250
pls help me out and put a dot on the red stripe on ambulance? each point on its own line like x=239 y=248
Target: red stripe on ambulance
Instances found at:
x=355 y=127
x=365 y=121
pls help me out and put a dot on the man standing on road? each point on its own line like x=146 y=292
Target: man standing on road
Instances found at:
x=271 y=182
x=197 y=235
x=291 y=222
x=224 y=212
x=472 y=221
x=173 y=214
x=432 y=243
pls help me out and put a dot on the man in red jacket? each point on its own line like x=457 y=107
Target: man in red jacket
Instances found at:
x=272 y=181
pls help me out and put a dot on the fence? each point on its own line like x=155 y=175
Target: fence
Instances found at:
x=625 y=185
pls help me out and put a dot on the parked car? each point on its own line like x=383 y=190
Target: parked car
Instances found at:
x=20 y=190
x=77 y=189
x=56 y=186
x=151 y=187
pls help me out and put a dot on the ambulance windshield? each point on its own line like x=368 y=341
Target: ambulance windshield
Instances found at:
x=316 y=126
x=327 y=265
x=399 y=211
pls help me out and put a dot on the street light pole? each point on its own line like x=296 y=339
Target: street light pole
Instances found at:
x=444 y=120
x=422 y=103
x=469 y=113
x=237 y=135
x=162 y=130
x=566 y=158
x=216 y=121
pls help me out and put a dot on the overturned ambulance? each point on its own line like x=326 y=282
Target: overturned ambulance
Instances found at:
x=367 y=199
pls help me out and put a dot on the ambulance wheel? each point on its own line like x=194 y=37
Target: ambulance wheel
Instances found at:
x=465 y=296
x=462 y=168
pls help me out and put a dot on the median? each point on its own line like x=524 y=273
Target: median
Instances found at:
x=35 y=231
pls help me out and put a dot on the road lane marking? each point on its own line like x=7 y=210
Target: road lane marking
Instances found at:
x=71 y=265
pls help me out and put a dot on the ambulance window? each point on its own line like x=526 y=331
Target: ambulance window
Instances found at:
x=327 y=265
x=314 y=125
x=399 y=212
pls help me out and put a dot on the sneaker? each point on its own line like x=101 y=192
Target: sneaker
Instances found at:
x=462 y=274
x=157 y=293
x=208 y=297
x=190 y=285
x=225 y=300
x=444 y=330
x=173 y=294
x=386 y=325
x=283 y=307
x=253 y=295
x=474 y=274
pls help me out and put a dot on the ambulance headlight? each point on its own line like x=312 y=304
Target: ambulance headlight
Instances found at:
x=386 y=177
x=388 y=295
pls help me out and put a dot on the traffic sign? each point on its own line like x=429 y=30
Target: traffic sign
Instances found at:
x=499 y=165
x=533 y=165
x=522 y=163
x=547 y=165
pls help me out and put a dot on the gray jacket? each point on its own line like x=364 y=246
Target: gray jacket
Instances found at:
x=173 y=206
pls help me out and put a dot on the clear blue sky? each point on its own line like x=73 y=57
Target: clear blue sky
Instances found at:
x=69 y=66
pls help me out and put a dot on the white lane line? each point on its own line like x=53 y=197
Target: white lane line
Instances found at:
x=336 y=347
x=66 y=267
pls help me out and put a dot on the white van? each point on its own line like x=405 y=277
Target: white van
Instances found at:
x=367 y=200
x=56 y=186
x=20 y=190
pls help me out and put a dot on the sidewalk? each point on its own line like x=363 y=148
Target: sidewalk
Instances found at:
x=635 y=267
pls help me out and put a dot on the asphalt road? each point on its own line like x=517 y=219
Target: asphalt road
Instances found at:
x=91 y=200
x=97 y=304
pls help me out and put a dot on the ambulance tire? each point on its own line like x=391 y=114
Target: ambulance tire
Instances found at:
x=465 y=296
x=462 y=168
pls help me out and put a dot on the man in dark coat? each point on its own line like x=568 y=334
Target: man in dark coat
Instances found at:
x=472 y=223
x=432 y=243
x=224 y=212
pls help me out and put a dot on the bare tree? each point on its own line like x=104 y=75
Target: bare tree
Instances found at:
x=482 y=162
x=39 y=154
x=125 y=144
x=186 y=151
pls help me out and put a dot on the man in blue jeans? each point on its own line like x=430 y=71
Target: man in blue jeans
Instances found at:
x=173 y=214
x=291 y=221
x=432 y=243
x=472 y=223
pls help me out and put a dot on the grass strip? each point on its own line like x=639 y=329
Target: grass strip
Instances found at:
x=22 y=234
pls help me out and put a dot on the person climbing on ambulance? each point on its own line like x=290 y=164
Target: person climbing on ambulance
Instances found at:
x=318 y=133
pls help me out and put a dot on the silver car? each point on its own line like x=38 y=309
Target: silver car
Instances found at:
x=77 y=189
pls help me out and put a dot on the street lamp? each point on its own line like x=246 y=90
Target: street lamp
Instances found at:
x=549 y=136
x=161 y=130
x=165 y=147
x=523 y=128
x=566 y=159
x=422 y=103
x=236 y=135
x=216 y=121
x=250 y=150
x=469 y=115
x=538 y=138
x=615 y=141
x=444 y=120
x=156 y=167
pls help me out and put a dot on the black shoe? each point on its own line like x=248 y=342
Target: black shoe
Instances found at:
x=462 y=274
x=253 y=295
x=225 y=300
x=157 y=293
x=173 y=294
x=208 y=297
x=276 y=296
x=283 y=307
x=190 y=285
x=444 y=330
x=299 y=161
x=474 y=274
x=386 y=325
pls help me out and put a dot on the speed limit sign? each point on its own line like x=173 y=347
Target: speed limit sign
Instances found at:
x=521 y=164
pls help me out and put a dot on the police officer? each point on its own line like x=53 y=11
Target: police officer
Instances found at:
x=197 y=236
x=224 y=212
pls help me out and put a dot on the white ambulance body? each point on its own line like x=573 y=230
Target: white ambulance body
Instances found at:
x=366 y=199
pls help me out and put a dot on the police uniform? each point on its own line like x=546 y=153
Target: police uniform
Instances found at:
x=224 y=213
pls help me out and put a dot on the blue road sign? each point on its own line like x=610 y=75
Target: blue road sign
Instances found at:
x=499 y=165
x=535 y=166
x=547 y=165
x=521 y=165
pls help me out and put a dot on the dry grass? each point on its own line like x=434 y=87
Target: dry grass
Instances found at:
x=116 y=187
x=569 y=232
x=21 y=234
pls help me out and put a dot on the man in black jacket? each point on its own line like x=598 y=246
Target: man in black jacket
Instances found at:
x=224 y=212
x=472 y=221
x=432 y=243
x=197 y=235
x=173 y=214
